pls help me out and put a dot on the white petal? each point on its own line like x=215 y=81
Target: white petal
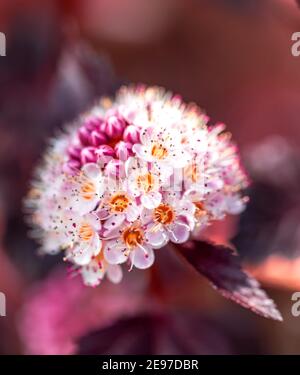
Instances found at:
x=84 y=206
x=103 y=213
x=135 y=167
x=132 y=213
x=151 y=200
x=53 y=242
x=181 y=159
x=190 y=219
x=235 y=205
x=178 y=232
x=93 y=220
x=146 y=216
x=92 y=274
x=82 y=255
x=91 y=170
x=142 y=152
x=114 y=253
x=165 y=172
x=129 y=164
x=83 y=252
x=147 y=134
x=142 y=258
x=157 y=238
x=114 y=221
x=114 y=273
x=187 y=207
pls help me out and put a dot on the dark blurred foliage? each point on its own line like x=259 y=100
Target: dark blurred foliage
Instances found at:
x=271 y=223
x=158 y=333
x=47 y=82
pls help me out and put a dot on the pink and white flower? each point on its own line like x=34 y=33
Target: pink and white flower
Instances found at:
x=95 y=271
x=87 y=188
x=117 y=205
x=83 y=232
x=162 y=146
x=130 y=244
x=129 y=176
x=173 y=220
x=144 y=181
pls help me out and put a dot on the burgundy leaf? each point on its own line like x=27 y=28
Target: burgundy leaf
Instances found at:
x=166 y=332
x=222 y=268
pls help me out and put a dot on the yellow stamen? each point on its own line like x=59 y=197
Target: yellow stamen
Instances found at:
x=146 y=182
x=88 y=190
x=133 y=236
x=200 y=210
x=164 y=214
x=159 y=151
x=86 y=232
x=119 y=202
x=100 y=260
x=192 y=171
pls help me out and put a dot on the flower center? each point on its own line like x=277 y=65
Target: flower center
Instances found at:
x=133 y=236
x=200 y=210
x=192 y=172
x=86 y=232
x=88 y=190
x=146 y=182
x=159 y=151
x=119 y=202
x=112 y=142
x=100 y=260
x=164 y=214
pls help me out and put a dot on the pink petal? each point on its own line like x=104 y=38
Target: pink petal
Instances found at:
x=142 y=152
x=114 y=254
x=91 y=170
x=142 y=258
x=114 y=273
x=151 y=200
x=157 y=238
x=179 y=232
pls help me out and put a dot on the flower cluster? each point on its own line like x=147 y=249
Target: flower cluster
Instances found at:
x=128 y=177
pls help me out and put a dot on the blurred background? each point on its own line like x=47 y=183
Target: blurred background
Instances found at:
x=233 y=58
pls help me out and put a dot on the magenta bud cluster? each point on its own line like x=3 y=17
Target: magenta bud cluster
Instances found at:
x=103 y=141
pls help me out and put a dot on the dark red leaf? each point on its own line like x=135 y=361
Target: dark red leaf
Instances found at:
x=222 y=268
x=166 y=332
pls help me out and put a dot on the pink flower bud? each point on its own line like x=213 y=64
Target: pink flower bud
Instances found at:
x=105 y=153
x=123 y=150
x=84 y=136
x=176 y=99
x=89 y=155
x=105 y=150
x=114 y=127
x=93 y=123
x=131 y=134
x=72 y=167
x=74 y=152
x=97 y=138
